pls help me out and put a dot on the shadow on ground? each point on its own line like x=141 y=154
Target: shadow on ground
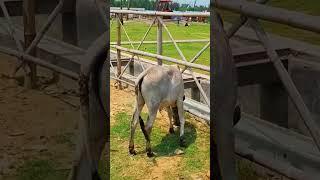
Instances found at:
x=170 y=142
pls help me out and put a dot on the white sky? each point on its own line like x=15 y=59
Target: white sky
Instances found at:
x=199 y=2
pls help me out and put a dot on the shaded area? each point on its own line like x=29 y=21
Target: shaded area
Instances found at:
x=170 y=142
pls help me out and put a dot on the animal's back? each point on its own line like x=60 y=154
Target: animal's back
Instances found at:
x=162 y=84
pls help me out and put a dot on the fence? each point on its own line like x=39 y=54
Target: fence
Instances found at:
x=161 y=25
x=251 y=12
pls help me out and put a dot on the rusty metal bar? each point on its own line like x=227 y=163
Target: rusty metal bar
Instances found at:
x=288 y=83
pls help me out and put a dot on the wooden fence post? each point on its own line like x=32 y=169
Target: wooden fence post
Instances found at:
x=29 y=35
x=118 y=51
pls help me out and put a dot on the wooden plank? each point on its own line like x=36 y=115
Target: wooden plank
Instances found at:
x=254 y=53
x=43 y=7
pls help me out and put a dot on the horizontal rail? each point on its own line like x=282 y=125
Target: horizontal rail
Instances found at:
x=39 y=62
x=165 y=58
x=159 y=13
x=279 y=15
x=164 y=42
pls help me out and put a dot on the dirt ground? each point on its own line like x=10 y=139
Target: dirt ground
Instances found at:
x=41 y=124
x=34 y=124
x=123 y=101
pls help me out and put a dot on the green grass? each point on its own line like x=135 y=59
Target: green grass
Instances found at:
x=195 y=160
x=40 y=169
x=310 y=7
x=136 y=31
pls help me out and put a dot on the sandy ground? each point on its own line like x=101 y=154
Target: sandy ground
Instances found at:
x=32 y=122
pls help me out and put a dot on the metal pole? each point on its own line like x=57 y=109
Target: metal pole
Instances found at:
x=159 y=41
x=118 y=50
x=29 y=35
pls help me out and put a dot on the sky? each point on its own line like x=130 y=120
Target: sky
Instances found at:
x=199 y=2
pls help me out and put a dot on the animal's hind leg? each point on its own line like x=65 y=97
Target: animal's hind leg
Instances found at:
x=175 y=116
x=148 y=128
x=169 y=111
x=134 y=122
x=182 y=121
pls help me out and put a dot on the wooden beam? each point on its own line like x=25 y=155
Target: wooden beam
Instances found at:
x=278 y=15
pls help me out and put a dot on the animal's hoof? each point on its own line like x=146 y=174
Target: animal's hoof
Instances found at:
x=183 y=142
x=150 y=154
x=132 y=152
x=95 y=176
x=171 y=130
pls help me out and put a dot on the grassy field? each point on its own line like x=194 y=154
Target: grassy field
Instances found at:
x=136 y=31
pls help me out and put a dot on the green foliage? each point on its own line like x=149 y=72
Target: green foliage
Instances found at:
x=147 y=4
x=40 y=170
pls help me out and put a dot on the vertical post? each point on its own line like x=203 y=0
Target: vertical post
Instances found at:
x=159 y=41
x=29 y=35
x=118 y=51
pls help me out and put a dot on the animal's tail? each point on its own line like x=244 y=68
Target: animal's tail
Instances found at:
x=143 y=128
x=139 y=81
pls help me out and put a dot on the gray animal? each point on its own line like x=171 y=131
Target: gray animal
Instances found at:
x=158 y=87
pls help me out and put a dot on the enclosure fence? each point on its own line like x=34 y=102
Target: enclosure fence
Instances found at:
x=157 y=19
x=250 y=13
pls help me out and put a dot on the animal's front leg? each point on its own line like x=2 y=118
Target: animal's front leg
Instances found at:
x=182 y=121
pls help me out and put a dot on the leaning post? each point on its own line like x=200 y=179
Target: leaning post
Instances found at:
x=29 y=35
